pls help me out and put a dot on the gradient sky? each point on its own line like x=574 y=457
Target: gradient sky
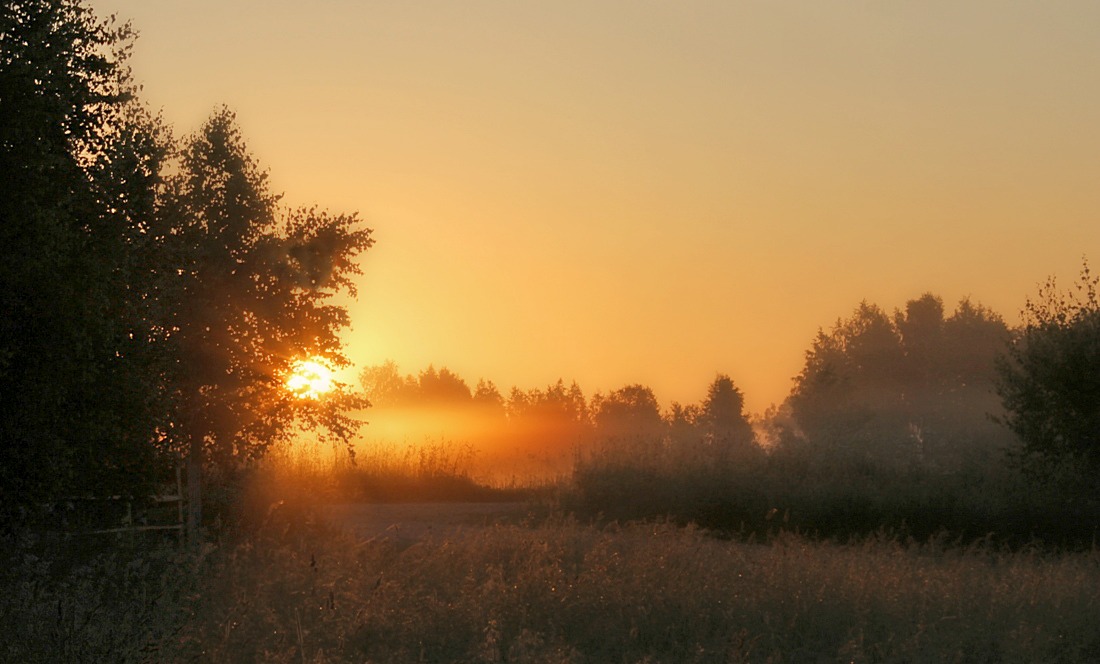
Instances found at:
x=654 y=192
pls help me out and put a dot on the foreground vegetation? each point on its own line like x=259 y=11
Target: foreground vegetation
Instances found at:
x=831 y=497
x=278 y=583
x=556 y=592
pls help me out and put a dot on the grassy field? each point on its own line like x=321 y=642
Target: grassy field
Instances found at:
x=560 y=591
x=277 y=583
x=563 y=592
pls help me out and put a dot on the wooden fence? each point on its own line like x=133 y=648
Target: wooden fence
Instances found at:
x=128 y=525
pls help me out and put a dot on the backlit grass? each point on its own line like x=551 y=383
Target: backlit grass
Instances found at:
x=564 y=592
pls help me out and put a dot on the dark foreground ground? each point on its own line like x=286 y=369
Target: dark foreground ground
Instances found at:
x=500 y=582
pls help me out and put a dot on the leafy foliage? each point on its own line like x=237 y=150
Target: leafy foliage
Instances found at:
x=250 y=299
x=1050 y=384
x=433 y=388
x=79 y=401
x=155 y=297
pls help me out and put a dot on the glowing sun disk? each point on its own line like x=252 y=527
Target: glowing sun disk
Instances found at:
x=310 y=379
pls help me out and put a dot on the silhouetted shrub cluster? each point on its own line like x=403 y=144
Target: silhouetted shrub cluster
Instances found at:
x=828 y=496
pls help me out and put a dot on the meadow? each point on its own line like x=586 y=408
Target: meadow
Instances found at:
x=277 y=583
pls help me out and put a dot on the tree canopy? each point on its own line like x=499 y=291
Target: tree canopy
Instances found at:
x=386 y=387
x=154 y=296
x=913 y=388
x=723 y=415
x=630 y=412
x=251 y=296
x=79 y=161
x=249 y=302
x=1050 y=384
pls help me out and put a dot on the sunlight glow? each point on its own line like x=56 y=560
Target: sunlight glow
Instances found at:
x=897 y=126
x=310 y=379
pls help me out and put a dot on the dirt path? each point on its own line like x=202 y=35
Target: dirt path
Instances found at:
x=413 y=521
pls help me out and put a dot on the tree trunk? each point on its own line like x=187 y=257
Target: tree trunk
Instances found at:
x=194 y=492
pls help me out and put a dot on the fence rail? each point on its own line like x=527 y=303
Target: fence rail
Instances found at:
x=128 y=520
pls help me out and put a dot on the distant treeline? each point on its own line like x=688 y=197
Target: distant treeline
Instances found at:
x=552 y=424
x=918 y=419
x=915 y=387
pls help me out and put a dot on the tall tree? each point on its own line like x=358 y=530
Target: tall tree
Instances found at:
x=251 y=299
x=386 y=387
x=550 y=421
x=723 y=415
x=683 y=424
x=920 y=329
x=630 y=412
x=847 y=398
x=488 y=398
x=79 y=162
x=953 y=396
x=443 y=388
x=915 y=389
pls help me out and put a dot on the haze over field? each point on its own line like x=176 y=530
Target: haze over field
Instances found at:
x=622 y=192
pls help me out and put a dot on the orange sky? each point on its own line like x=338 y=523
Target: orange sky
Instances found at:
x=642 y=191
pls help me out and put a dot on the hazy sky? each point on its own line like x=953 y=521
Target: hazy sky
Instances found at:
x=655 y=192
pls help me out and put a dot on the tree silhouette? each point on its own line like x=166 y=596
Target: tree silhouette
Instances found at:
x=386 y=387
x=723 y=416
x=431 y=388
x=141 y=312
x=79 y=159
x=249 y=301
x=549 y=421
x=847 y=395
x=488 y=400
x=974 y=337
x=952 y=392
x=916 y=389
x=683 y=424
x=443 y=388
x=1050 y=384
x=557 y=403
x=921 y=332
x=630 y=412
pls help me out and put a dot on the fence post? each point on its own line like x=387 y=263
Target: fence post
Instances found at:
x=179 y=493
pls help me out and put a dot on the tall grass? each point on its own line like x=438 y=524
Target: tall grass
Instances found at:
x=304 y=474
x=291 y=588
x=895 y=565
x=93 y=598
x=564 y=592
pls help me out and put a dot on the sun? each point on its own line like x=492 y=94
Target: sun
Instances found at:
x=310 y=379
